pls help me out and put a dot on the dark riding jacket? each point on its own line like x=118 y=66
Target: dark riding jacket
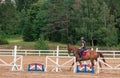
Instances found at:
x=83 y=48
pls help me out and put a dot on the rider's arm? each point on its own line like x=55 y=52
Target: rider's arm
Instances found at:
x=82 y=46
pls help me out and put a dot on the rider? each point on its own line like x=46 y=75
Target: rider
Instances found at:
x=83 y=47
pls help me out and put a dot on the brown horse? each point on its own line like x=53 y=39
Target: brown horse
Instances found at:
x=90 y=55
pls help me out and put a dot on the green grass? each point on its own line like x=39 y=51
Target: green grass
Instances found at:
x=53 y=45
x=19 y=41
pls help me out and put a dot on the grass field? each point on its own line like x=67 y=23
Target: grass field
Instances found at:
x=19 y=41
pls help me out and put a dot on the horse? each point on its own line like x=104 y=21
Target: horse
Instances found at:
x=88 y=55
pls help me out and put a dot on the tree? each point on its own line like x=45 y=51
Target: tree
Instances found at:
x=108 y=21
x=9 y=18
x=56 y=20
x=27 y=33
x=51 y=19
x=30 y=22
x=24 y=4
x=94 y=18
x=63 y=21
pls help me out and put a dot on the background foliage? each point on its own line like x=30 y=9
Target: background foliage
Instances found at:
x=62 y=21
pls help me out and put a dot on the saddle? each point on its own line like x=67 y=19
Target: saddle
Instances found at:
x=84 y=53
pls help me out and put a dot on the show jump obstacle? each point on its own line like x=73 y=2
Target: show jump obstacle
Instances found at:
x=36 y=67
x=57 y=63
x=85 y=67
x=15 y=64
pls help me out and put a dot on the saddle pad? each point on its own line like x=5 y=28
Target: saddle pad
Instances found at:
x=84 y=53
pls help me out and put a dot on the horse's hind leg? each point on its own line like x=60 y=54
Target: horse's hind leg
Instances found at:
x=92 y=62
x=99 y=63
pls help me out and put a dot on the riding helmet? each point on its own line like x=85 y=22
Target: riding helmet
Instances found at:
x=82 y=38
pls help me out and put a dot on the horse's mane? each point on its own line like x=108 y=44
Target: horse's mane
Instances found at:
x=72 y=46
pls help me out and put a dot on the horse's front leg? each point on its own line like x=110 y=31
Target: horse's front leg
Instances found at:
x=76 y=62
x=71 y=66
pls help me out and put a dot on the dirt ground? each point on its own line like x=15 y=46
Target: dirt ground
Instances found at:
x=5 y=72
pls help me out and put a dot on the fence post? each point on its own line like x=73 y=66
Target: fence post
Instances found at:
x=39 y=53
x=25 y=53
x=53 y=53
x=57 y=68
x=92 y=48
x=114 y=54
x=12 y=52
x=96 y=49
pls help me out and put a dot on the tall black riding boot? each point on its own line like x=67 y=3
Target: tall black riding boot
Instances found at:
x=80 y=56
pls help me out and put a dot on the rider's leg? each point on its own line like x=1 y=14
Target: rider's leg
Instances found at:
x=80 y=53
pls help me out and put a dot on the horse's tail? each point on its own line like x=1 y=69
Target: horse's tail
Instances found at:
x=101 y=55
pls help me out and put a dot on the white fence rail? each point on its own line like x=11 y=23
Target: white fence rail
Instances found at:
x=110 y=53
x=33 y=52
x=106 y=53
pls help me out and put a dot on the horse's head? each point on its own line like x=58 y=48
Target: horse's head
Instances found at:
x=71 y=49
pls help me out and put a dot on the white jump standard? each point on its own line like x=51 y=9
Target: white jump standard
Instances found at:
x=55 y=63
x=111 y=64
x=16 y=63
